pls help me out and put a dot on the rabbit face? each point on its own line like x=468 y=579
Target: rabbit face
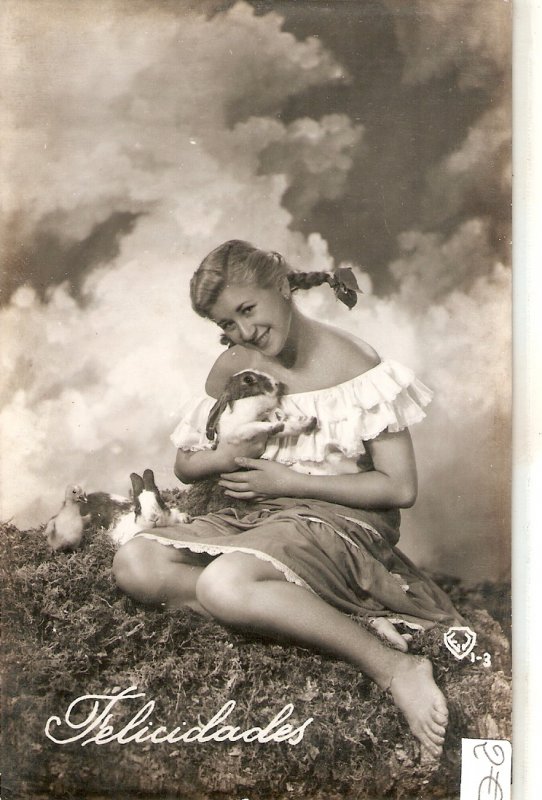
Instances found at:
x=251 y=383
x=149 y=508
x=148 y=511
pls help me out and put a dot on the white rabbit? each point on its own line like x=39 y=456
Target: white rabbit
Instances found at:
x=148 y=510
x=249 y=407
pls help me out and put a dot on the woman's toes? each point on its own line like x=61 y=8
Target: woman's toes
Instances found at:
x=439 y=730
x=440 y=718
x=440 y=707
x=430 y=754
x=438 y=739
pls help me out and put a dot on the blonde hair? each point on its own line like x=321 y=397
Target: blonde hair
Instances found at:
x=239 y=262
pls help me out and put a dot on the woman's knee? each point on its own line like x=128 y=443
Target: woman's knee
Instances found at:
x=226 y=587
x=131 y=566
x=222 y=590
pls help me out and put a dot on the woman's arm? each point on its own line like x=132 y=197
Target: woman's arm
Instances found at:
x=192 y=466
x=392 y=483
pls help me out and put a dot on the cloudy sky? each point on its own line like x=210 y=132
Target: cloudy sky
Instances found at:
x=139 y=135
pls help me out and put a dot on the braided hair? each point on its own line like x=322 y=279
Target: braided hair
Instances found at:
x=239 y=262
x=342 y=281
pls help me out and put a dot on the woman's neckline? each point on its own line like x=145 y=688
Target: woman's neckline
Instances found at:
x=340 y=385
x=336 y=385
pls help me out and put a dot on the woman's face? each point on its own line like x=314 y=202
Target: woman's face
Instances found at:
x=256 y=318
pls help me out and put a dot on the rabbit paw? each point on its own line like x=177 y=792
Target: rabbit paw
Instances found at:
x=309 y=425
x=179 y=517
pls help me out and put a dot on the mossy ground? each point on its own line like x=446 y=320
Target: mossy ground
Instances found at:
x=68 y=631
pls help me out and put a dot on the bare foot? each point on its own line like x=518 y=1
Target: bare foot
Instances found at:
x=388 y=630
x=417 y=695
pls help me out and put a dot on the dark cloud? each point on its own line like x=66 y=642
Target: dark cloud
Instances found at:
x=417 y=104
x=48 y=260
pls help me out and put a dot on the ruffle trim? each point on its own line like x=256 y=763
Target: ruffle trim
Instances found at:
x=190 y=434
x=386 y=397
x=217 y=550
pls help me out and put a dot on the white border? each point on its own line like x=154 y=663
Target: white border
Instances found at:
x=527 y=481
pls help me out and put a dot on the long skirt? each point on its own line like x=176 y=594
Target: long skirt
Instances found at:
x=346 y=556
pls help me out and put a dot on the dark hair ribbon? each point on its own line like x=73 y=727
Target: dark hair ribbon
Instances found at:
x=344 y=284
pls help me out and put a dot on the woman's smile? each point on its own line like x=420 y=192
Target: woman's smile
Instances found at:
x=262 y=340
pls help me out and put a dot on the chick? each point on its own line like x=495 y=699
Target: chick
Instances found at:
x=65 y=531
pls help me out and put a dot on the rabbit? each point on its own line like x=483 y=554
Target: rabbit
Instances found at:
x=148 y=510
x=249 y=407
x=105 y=509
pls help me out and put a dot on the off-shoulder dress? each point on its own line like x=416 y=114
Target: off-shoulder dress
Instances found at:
x=347 y=556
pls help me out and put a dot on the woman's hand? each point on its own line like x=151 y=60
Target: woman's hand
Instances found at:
x=391 y=484
x=228 y=453
x=261 y=480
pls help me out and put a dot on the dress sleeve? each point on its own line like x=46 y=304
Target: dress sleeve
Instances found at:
x=190 y=433
x=386 y=397
x=389 y=397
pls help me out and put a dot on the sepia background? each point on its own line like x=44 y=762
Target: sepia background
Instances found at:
x=139 y=135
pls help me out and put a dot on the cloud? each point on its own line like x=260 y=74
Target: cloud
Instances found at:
x=435 y=37
x=317 y=155
x=112 y=110
x=430 y=266
x=471 y=43
x=476 y=178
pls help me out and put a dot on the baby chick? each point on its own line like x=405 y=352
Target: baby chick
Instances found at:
x=65 y=531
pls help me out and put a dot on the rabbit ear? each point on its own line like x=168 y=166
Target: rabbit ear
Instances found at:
x=215 y=414
x=150 y=486
x=137 y=488
x=148 y=481
x=137 y=484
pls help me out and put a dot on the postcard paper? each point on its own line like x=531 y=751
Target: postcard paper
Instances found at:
x=302 y=645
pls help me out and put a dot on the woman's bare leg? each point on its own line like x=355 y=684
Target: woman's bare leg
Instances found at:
x=159 y=575
x=240 y=590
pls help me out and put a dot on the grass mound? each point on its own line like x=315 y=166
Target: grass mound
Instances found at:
x=68 y=631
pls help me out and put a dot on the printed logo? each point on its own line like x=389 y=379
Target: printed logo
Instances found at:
x=460 y=641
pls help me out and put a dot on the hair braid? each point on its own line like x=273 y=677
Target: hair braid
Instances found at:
x=307 y=280
x=342 y=281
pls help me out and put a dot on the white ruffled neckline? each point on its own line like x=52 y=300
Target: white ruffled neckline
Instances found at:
x=386 y=397
x=367 y=375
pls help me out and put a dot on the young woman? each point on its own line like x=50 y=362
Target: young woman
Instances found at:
x=320 y=540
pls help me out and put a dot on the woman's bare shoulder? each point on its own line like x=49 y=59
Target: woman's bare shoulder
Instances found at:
x=350 y=355
x=227 y=364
